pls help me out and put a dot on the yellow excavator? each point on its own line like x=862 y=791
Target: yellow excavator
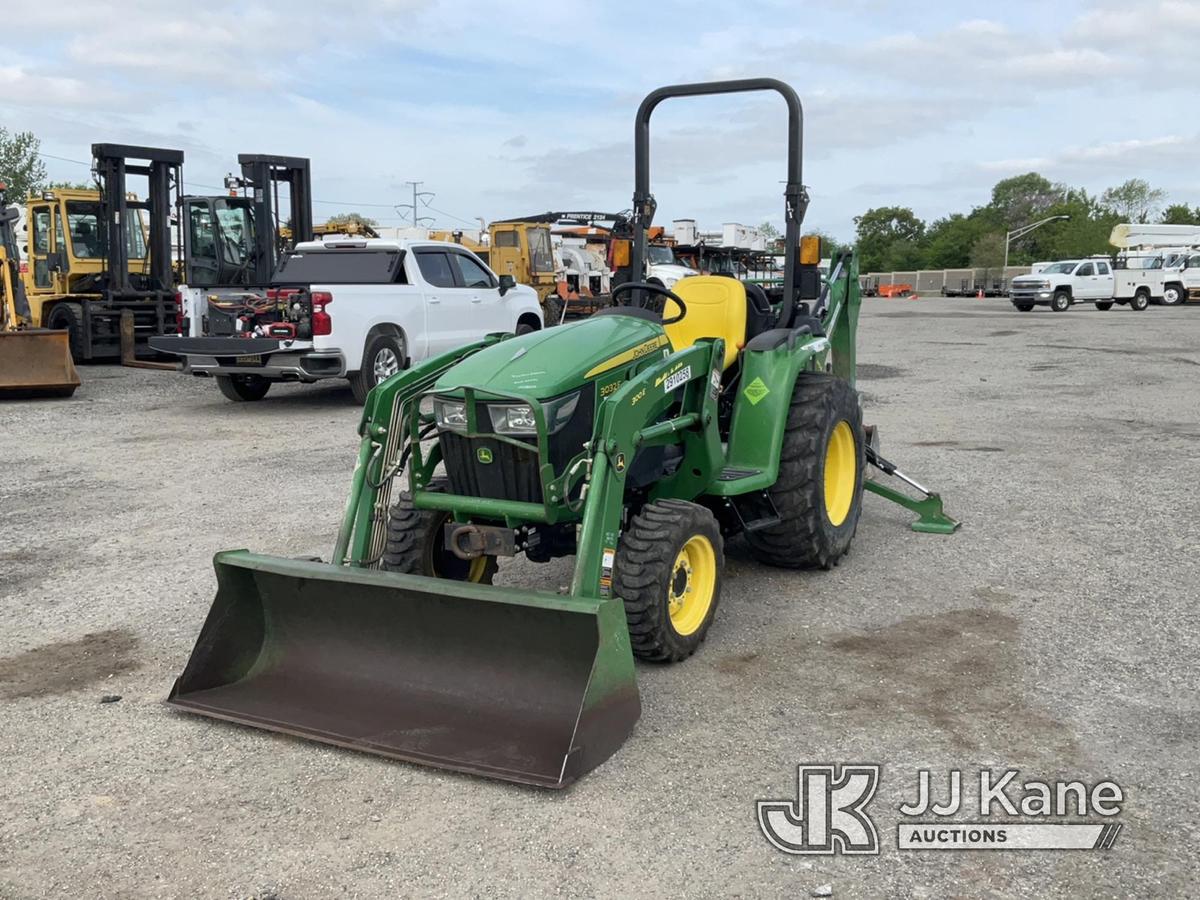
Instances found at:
x=33 y=361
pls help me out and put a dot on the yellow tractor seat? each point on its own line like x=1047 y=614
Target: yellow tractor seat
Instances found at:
x=716 y=307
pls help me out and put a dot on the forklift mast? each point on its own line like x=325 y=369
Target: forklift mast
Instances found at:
x=264 y=174
x=213 y=255
x=118 y=213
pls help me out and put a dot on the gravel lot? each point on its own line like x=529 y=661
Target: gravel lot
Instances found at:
x=1056 y=633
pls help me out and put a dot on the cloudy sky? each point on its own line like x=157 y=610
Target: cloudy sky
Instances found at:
x=504 y=109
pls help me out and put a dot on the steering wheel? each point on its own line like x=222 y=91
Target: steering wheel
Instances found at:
x=653 y=289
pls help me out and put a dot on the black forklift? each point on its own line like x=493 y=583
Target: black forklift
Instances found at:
x=99 y=255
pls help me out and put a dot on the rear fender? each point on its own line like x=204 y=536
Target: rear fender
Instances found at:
x=760 y=411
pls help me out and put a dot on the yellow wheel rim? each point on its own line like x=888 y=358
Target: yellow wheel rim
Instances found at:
x=841 y=473
x=478 y=566
x=693 y=584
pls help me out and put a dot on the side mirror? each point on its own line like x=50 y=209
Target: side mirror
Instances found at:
x=507 y=283
x=57 y=261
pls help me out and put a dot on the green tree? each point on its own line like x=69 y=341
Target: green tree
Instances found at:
x=1180 y=214
x=948 y=241
x=21 y=166
x=768 y=231
x=886 y=235
x=72 y=185
x=351 y=218
x=987 y=251
x=1134 y=201
x=1023 y=199
x=1086 y=232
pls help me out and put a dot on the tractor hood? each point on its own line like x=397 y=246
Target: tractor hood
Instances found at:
x=548 y=363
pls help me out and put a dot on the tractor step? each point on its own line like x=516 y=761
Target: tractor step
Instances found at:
x=755 y=510
x=732 y=473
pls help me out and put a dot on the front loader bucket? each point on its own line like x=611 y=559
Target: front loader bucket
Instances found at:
x=36 y=363
x=520 y=685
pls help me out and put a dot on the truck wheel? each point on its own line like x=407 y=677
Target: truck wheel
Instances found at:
x=1173 y=295
x=1061 y=301
x=1023 y=307
x=242 y=388
x=668 y=569
x=69 y=317
x=1140 y=300
x=383 y=358
x=552 y=310
x=818 y=494
x=1104 y=305
x=415 y=543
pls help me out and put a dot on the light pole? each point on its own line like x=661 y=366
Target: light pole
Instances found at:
x=1024 y=230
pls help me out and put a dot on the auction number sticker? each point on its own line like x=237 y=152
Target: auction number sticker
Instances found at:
x=678 y=378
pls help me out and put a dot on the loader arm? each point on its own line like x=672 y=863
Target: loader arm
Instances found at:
x=631 y=418
x=381 y=450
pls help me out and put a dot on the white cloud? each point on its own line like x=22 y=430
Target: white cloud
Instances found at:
x=1110 y=156
x=502 y=110
x=19 y=85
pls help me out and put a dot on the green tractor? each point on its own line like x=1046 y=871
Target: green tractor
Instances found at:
x=637 y=441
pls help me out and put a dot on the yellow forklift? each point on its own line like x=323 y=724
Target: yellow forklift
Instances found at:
x=94 y=255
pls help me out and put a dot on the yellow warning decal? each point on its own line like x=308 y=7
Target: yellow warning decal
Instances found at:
x=628 y=356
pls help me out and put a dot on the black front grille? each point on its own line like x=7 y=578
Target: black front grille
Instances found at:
x=512 y=473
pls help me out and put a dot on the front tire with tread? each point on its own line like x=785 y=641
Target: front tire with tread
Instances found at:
x=68 y=317
x=1173 y=295
x=1061 y=301
x=645 y=568
x=415 y=543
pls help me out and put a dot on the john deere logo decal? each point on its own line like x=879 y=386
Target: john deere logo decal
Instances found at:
x=484 y=455
x=755 y=391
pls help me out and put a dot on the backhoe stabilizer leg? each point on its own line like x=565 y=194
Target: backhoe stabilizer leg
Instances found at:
x=931 y=517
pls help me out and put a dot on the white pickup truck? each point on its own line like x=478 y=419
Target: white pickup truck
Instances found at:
x=1061 y=285
x=360 y=309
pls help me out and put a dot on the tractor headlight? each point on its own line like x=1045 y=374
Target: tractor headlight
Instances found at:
x=517 y=419
x=512 y=418
x=451 y=414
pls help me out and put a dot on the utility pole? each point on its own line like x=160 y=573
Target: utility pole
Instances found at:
x=414 y=206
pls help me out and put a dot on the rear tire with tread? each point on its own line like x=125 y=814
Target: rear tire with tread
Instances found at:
x=644 y=570
x=362 y=381
x=243 y=388
x=552 y=310
x=1023 y=307
x=1140 y=300
x=805 y=537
